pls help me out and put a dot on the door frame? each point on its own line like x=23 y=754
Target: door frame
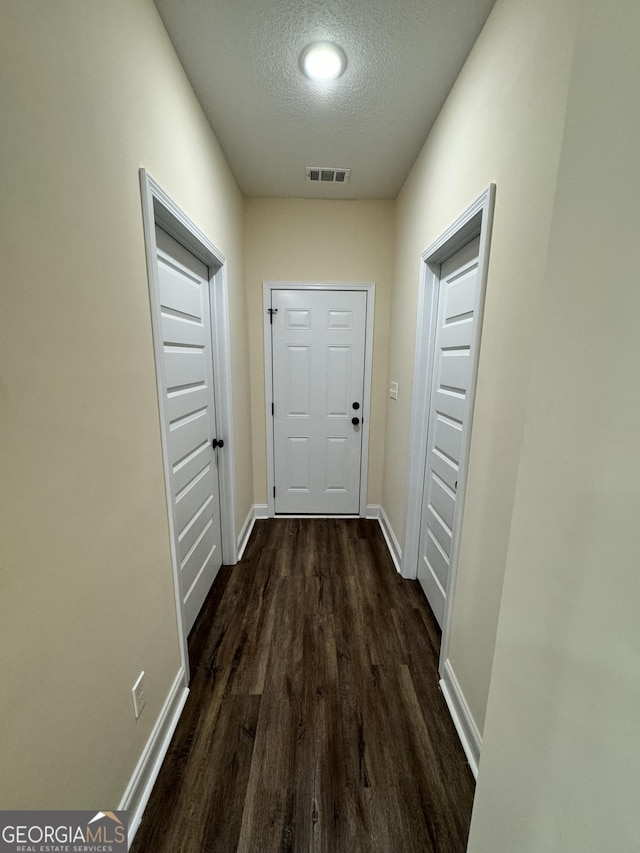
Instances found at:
x=476 y=221
x=158 y=208
x=267 y=289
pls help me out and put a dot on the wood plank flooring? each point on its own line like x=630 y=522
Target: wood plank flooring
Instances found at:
x=315 y=721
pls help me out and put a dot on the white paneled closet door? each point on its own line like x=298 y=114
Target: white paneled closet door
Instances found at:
x=456 y=336
x=190 y=420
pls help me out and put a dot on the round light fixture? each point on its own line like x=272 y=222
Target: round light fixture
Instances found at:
x=323 y=61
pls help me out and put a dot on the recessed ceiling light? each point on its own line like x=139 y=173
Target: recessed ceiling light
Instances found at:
x=323 y=61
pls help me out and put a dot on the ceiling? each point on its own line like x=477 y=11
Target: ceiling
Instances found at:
x=242 y=58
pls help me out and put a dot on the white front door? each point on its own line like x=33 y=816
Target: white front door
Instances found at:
x=190 y=421
x=454 y=354
x=318 y=359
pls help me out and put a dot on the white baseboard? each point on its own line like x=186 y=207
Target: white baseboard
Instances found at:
x=256 y=511
x=245 y=533
x=140 y=785
x=373 y=511
x=390 y=538
x=462 y=717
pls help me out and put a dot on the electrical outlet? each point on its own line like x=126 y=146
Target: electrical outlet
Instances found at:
x=139 y=698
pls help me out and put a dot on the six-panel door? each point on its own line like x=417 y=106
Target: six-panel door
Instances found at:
x=318 y=355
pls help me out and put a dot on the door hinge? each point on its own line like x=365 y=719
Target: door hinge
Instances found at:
x=274 y=491
x=271 y=312
x=273 y=410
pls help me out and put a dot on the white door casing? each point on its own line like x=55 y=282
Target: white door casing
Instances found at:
x=475 y=222
x=317 y=360
x=448 y=418
x=189 y=409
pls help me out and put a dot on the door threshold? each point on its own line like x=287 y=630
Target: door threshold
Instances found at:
x=311 y=515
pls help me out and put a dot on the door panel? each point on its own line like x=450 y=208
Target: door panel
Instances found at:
x=338 y=374
x=337 y=464
x=318 y=354
x=437 y=560
x=185 y=471
x=455 y=370
x=184 y=368
x=190 y=419
x=194 y=528
x=186 y=434
x=198 y=554
x=192 y=497
x=189 y=334
x=180 y=285
x=454 y=353
x=442 y=499
x=447 y=438
x=299 y=463
x=298 y=360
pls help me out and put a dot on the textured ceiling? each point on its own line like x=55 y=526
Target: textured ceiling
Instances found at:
x=242 y=58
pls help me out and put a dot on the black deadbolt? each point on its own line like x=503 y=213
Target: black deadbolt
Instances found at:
x=356 y=406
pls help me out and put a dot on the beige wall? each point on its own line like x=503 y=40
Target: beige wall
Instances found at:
x=502 y=123
x=90 y=92
x=324 y=241
x=559 y=771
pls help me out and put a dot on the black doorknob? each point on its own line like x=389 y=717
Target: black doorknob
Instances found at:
x=215 y=443
x=355 y=421
x=356 y=406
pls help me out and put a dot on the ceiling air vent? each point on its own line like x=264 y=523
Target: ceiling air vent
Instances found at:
x=324 y=175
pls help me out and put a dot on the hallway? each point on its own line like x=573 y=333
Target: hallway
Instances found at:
x=315 y=721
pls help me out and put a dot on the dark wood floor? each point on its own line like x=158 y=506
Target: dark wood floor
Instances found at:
x=314 y=722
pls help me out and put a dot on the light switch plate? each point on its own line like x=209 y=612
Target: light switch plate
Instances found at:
x=393 y=390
